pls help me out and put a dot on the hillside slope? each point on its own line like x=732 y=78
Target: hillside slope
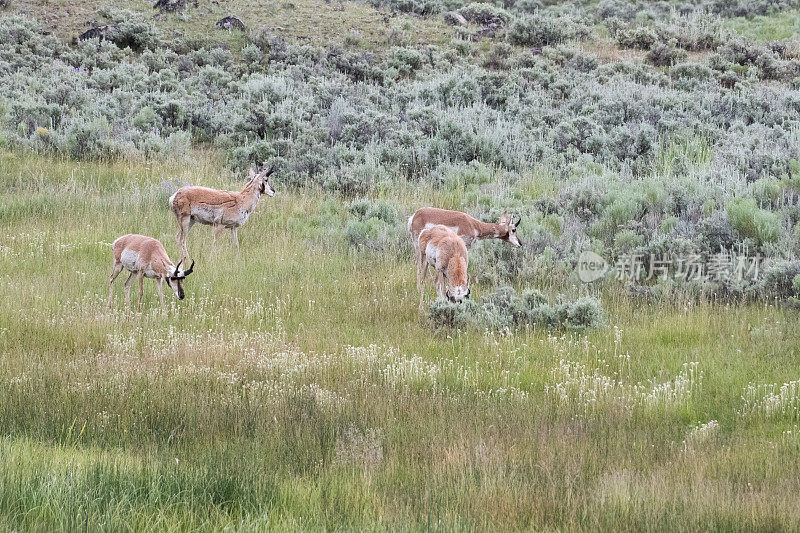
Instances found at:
x=310 y=21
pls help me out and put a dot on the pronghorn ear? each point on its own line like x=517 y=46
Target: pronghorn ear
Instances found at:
x=504 y=218
x=251 y=174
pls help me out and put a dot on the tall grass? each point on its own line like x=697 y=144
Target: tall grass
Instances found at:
x=296 y=386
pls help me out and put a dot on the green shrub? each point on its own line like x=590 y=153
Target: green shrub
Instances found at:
x=133 y=30
x=445 y=314
x=665 y=53
x=405 y=60
x=542 y=30
x=750 y=221
x=638 y=37
x=585 y=312
x=779 y=279
x=502 y=309
x=485 y=14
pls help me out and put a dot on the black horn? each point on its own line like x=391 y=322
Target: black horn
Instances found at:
x=187 y=272
x=270 y=171
x=519 y=219
x=177 y=268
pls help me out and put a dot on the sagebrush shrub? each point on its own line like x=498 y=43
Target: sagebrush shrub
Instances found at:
x=503 y=309
x=484 y=14
x=665 y=53
x=541 y=30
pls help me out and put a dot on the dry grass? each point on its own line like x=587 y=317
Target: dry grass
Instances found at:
x=311 y=21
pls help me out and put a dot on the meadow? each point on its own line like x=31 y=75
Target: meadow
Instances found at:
x=298 y=386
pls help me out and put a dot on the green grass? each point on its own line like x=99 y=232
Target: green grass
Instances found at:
x=784 y=25
x=296 y=387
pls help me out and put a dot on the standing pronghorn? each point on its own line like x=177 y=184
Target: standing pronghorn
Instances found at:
x=147 y=258
x=441 y=248
x=468 y=228
x=220 y=209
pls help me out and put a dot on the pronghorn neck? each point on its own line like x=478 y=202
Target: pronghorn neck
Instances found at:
x=457 y=271
x=489 y=230
x=251 y=189
x=250 y=195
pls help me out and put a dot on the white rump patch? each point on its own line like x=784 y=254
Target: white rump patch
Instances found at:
x=431 y=254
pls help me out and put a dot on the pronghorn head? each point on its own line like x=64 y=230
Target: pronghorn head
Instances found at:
x=261 y=180
x=457 y=290
x=175 y=281
x=510 y=227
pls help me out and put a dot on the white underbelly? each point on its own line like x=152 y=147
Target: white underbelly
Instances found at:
x=130 y=260
x=206 y=215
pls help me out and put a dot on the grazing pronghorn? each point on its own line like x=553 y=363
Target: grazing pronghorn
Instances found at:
x=146 y=258
x=468 y=228
x=220 y=209
x=441 y=248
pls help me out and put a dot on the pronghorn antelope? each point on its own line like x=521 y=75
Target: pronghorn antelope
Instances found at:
x=220 y=209
x=146 y=258
x=468 y=228
x=441 y=248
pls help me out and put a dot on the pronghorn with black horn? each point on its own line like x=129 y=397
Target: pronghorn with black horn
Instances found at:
x=468 y=228
x=441 y=248
x=145 y=257
x=220 y=209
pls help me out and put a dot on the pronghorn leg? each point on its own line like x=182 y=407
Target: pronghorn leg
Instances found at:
x=235 y=235
x=161 y=291
x=218 y=229
x=418 y=261
x=422 y=285
x=440 y=291
x=184 y=225
x=128 y=291
x=115 y=270
x=141 y=289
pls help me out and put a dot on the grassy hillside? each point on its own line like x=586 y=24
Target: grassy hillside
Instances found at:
x=304 y=21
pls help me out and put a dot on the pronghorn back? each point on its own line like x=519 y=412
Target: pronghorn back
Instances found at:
x=445 y=251
x=140 y=252
x=468 y=228
x=426 y=217
x=181 y=202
